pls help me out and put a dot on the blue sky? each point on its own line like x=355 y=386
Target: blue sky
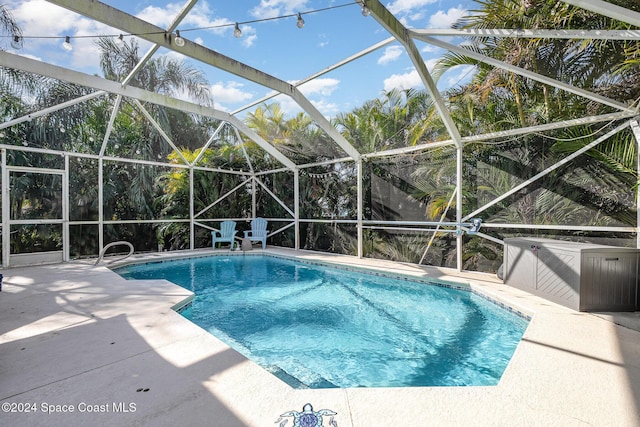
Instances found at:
x=276 y=46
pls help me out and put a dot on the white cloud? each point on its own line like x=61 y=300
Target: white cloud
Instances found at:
x=444 y=19
x=402 y=81
x=407 y=80
x=229 y=92
x=403 y=6
x=390 y=54
x=319 y=86
x=429 y=48
x=328 y=109
x=248 y=37
x=324 y=42
x=42 y=17
x=273 y=8
x=291 y=108
x=198 y=17
x=38 y=17
x=316 y=91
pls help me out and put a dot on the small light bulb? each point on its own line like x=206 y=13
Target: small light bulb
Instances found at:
x=67 y=44
x=62 y=129
x=16 y=43
x=365 y=10
x=300 y=22
x=237 y=33
x=179 y=40
x=119 y=40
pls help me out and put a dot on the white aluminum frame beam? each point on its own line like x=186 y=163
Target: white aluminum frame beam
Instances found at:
x=221 y=198
x=526 y=73
x=112 y=119
x=635 y=129
x=275 y=197
x=208 y=143
x=147 y=56
x=504 y=134
x=322 y=72
x=26 y=64
x=402 y=34
x=548 y=170
x=162 y=133
x=523 y=33
x=118 y=19
x=608 y=9
x=48 y=110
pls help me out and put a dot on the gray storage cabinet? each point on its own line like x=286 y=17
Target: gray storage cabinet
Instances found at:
x=581 y=276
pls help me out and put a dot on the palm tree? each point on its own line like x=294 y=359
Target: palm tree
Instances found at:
x=14 y=81
x=136 y=136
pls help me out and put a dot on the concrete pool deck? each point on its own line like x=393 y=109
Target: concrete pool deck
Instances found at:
x=74 y=337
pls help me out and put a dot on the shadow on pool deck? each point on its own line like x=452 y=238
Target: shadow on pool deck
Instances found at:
x=67 y=345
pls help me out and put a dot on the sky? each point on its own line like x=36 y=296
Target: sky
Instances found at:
x=270 y=41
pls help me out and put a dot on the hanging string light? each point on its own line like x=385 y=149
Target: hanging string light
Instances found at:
x=179 y=40
x=237 y=33
x=67 y=44
x=365 y=10
x=17 y=41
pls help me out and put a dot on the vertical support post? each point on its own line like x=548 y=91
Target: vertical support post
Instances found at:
x=254 y=198
x=6 y=212
x=65 y=210
x=192 y=227
x=635 y=128
x=360 y=204
x=296 y=207
x=100 y=205
x=459 y=235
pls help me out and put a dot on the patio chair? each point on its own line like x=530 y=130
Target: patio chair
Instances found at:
x=227 y=233
x=258 y=231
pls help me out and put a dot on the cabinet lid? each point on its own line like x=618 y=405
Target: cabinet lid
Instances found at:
x=566 y=245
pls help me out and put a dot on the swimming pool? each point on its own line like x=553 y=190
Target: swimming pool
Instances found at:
x=316 y=326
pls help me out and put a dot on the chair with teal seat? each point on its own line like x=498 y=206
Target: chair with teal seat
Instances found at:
x=227 y=233
x=258 y=231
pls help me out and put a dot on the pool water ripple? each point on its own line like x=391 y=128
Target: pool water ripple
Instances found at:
x=318 y=326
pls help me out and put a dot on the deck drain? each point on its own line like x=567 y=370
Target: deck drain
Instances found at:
x=144 y=390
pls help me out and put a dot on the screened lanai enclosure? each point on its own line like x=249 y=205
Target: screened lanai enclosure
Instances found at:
x=538 y=137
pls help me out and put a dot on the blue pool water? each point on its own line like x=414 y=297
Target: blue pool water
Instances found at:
x=317 y=326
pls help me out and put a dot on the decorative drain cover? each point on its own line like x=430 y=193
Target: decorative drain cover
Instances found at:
x=307 y=418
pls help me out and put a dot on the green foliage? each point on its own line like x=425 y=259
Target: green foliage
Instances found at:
x=597 y=188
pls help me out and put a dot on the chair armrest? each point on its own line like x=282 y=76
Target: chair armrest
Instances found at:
x=246 y=234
